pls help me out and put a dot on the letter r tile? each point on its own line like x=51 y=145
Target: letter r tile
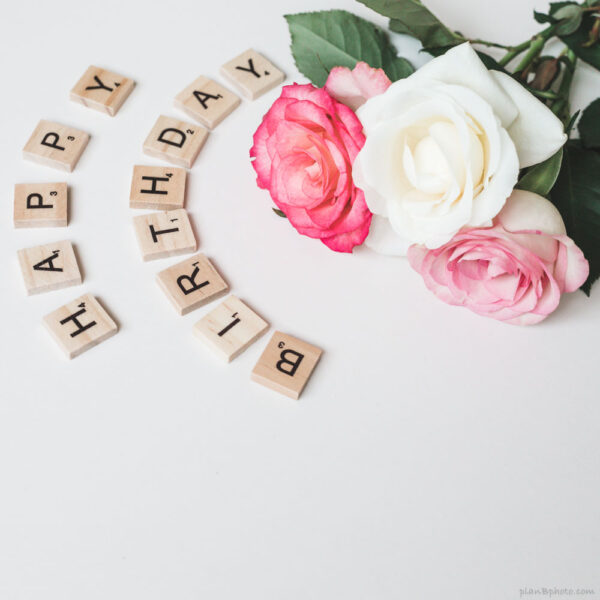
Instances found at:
x=191 y=283
x=286 y=364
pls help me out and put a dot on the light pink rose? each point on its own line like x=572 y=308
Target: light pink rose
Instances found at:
x=354 y=88
x=303 y=153
x=514 y=271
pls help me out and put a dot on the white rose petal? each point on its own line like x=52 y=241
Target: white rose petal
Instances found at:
x=440 y=152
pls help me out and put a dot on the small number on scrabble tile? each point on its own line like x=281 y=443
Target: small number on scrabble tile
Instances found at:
x=207 y=102
x=164 y=234
x=191 y=283
x=40 y=205
x=80 y=325
x=102 y=90
x=175 y=141
x=49 y=267
x=252 y=73
x=230 y=328
x=286 y=364
x=55 y=145
x=157 y=188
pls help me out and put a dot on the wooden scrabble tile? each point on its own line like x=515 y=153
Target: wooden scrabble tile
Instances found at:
x=191 y=283
x=157 y=188
x=56 y=145
x=49 y=267
x=252 y=73
x=175 y=141
x=230 y=328
x=207 y=102
x=40 y=205
x=102 y=90
x=80 y=325
x=163 y=234
x=286 y=364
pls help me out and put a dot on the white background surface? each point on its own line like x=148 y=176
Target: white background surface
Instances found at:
x=434 y=455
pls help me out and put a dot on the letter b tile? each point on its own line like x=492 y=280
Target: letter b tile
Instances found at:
x=175 y=141
x=286 y=364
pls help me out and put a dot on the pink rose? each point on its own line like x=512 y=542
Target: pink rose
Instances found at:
x=514 y=271
x=354 y=88
x=303 y=153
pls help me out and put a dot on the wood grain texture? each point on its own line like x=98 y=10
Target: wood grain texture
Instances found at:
x=230 y=328
x=80 y=325
x=157 y=188
x=164 y=234
x=55 y=145
x=102 y=90
x=252 y=74
x=175 y=141
x=286 y=364
x=191 y=283
x=206 y=101
x=40 y=205
x=49 y=267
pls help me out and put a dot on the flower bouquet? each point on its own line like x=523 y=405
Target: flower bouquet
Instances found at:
x=472 y=166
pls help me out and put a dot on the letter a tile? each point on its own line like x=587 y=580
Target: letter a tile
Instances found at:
x=207 y=102
x=191 y=283
x=40 y=205
x=164 y=234
x=252 y=73
x=49 y=267
x=80 y=325
x=157 y=188
x=286 y=364
x=230 y=328
x=56 y=145
x=175 y=141
x=102 y=90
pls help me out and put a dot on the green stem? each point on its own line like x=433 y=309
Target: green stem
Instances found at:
x=535 y=49
x=561 y=107
x=490 y=44
x=515 y=51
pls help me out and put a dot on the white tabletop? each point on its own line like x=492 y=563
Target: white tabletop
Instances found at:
x=434 y=454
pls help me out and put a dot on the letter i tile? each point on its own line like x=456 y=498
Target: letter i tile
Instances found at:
x=102 y=90
x=286 y=364
x=80 y=325
x=191 y=283
x=175 y=141
x=230 y=328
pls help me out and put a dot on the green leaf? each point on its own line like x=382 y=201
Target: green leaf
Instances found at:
x=570 y=18
x=413 y=18
x=589 y=126
x=577 y=40
x=541 y=178
x=577 y=197
x=279 y=213
x=327 y=39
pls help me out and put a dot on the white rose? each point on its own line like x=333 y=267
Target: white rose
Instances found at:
x=444 y=148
